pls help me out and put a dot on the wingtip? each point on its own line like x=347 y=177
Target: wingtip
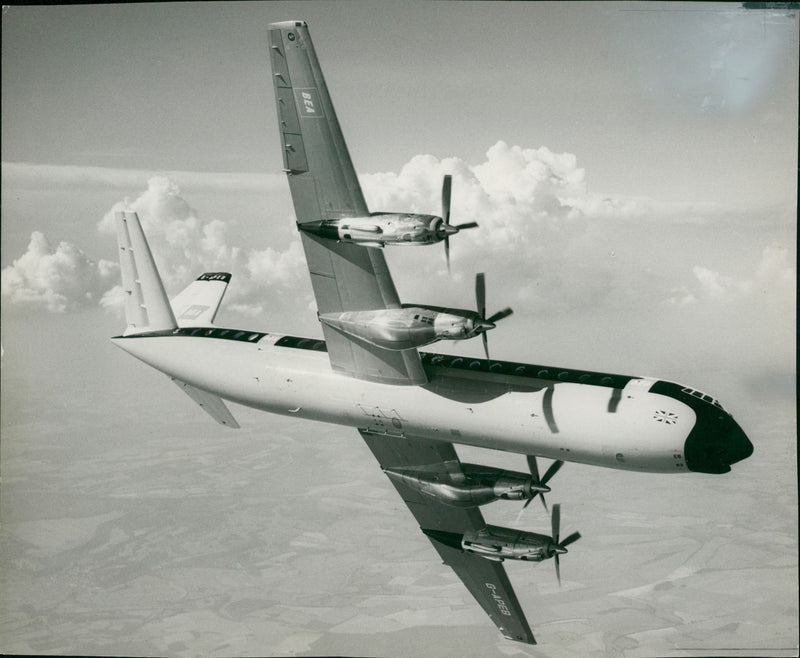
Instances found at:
x=524 y=634
x=288 y=25
x=215 y=276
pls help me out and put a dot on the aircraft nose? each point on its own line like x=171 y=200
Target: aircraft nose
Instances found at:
x=716 y=443
x=739 y=446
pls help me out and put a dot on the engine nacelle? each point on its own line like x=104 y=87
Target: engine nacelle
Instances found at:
x=473 y=486
x=496 y=543
x=380 y=229
x=403 y=328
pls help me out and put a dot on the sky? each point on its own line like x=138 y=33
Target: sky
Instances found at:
x=632 y=167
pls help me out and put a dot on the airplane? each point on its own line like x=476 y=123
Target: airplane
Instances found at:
x=411 y=407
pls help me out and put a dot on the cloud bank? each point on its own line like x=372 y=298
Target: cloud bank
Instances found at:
x=185 y=245
x=544 y=241
x=26 y=175
x=56 y=279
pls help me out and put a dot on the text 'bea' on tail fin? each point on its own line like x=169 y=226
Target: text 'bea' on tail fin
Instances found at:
x=147 y=308
x=199 y=302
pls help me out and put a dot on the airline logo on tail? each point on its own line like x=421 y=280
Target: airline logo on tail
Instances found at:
x=308 y=104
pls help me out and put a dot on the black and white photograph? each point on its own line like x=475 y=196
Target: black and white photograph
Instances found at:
x=357 y=328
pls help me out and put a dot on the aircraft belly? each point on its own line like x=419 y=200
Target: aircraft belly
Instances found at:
x=573 y=422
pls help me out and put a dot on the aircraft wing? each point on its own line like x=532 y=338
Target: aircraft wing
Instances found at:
x=485 y=579
x=324 y=185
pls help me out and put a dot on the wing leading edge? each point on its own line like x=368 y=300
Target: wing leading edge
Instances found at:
x=324 y=185
x=486 y=580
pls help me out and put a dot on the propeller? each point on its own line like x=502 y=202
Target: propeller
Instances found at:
x=482 y=323
x=557 y=548
x=446 y=229
x=534 y=468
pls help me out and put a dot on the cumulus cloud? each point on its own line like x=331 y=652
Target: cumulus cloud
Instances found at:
x=544 y=241
x=774 y=279
x=56 y=279
x=63 y=278
x=534 y=213
x=184 y=245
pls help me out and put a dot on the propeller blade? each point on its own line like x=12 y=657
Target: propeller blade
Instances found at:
x=554 y=467
x=447 y=252
x=575 y=536
x=558 y=569
x=485 y=344
x=500 y=315
x=533 y=467
x=461 y=227
x=447 y=185
x=480 y=294
x=556 y=522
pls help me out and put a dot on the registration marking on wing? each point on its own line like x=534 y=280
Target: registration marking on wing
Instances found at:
x=501 y=604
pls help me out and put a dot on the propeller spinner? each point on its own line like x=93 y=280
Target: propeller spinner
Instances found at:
x=534 y=468
x=446 y=229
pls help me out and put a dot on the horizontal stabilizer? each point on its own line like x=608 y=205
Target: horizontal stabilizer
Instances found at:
x=197 y=305
x=212 y=404
x=146 y=305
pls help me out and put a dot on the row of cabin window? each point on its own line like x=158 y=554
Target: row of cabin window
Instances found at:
x=229 y=334
x=525 y=370
x=473 y=364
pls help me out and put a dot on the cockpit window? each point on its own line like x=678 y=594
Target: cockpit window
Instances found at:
x=702 y=396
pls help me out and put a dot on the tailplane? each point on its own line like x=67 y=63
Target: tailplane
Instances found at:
x=147 y=307
x=197 y=305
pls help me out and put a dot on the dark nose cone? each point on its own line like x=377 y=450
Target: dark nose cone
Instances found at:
x=739 y=446
x=715 y=443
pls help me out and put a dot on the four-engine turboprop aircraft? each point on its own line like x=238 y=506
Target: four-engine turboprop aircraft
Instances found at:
x=410 y=407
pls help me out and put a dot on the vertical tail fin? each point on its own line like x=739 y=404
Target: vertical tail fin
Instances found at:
x=147 y=307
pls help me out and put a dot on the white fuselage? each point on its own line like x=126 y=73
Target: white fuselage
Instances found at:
x=629 y=428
